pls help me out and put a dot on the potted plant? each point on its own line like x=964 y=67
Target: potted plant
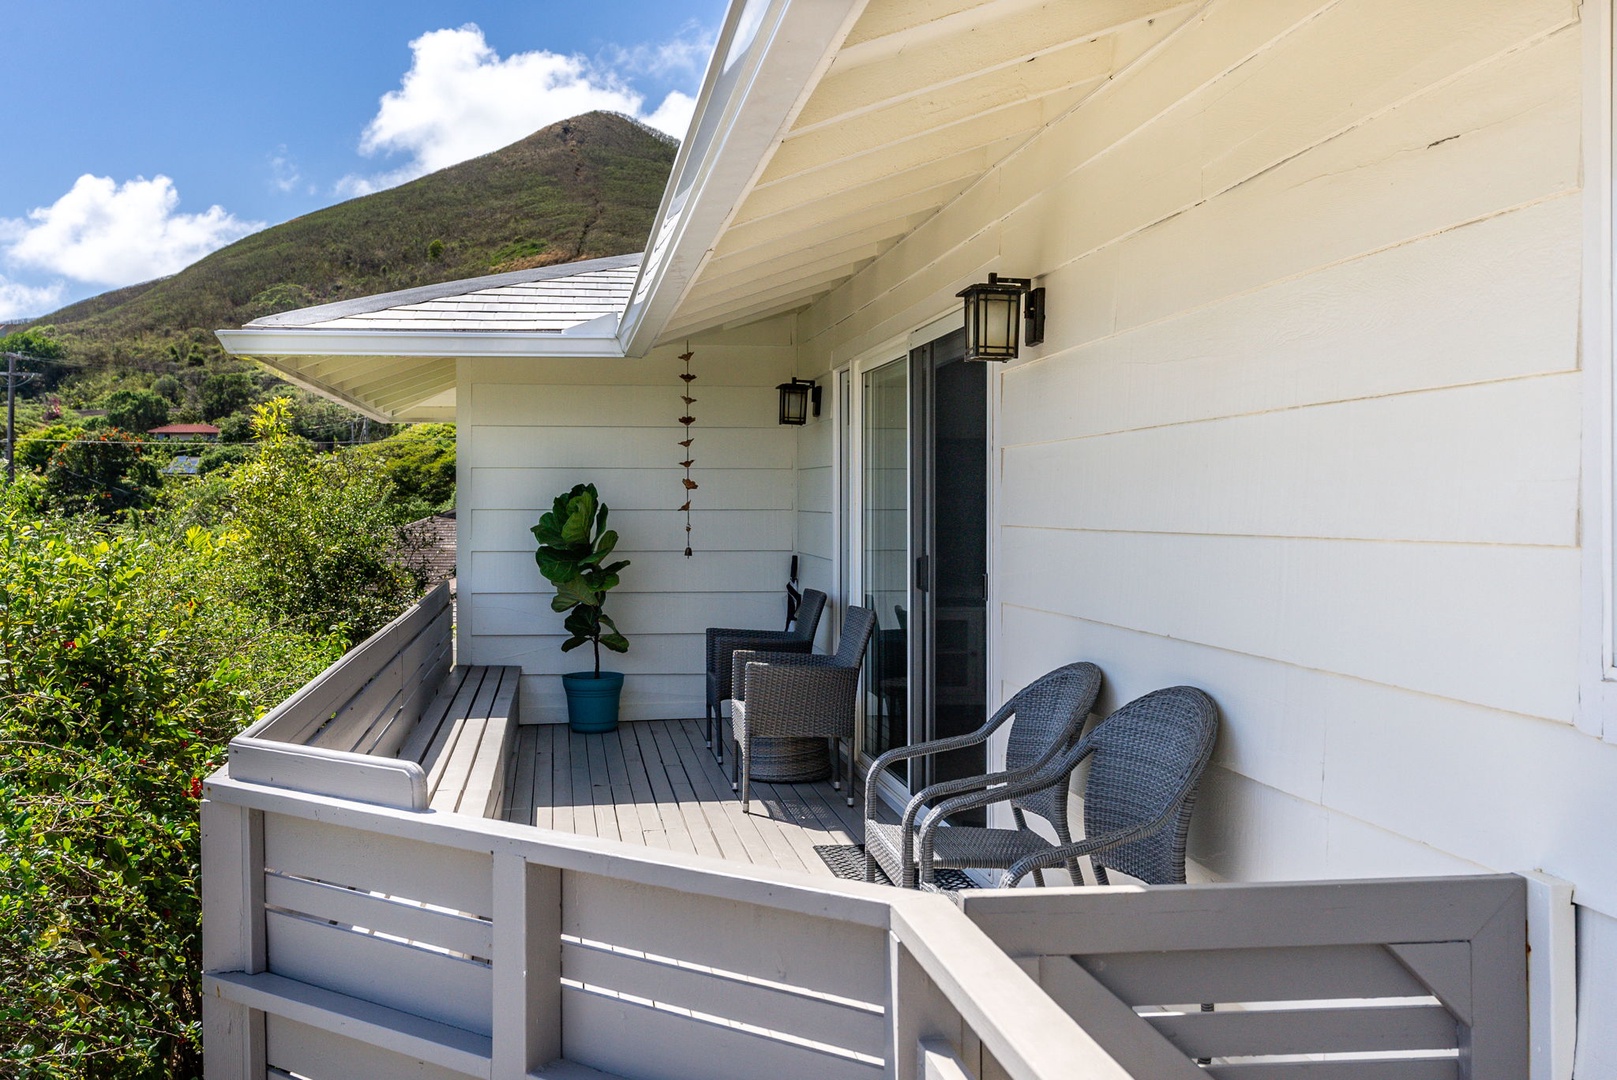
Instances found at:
x=573 y=545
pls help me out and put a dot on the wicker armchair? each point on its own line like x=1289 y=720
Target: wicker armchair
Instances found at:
x=789 y=695
x=1147 y=758
x=1048 y=715
x=723 y=641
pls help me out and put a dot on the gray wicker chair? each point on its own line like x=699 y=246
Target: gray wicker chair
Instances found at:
x=1046 y=718
x=789 y=695
x=1146 y=761
x=723 y=641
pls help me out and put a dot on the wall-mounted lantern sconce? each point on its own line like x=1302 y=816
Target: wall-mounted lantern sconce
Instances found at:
x=796 y=397
x=996 y=319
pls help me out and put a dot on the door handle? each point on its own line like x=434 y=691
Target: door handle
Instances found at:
x=923 y=573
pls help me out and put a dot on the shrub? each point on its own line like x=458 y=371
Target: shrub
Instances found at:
x=124 y=672
x=420 y=460
x=101 y=473
x=225 y=392
x=136 y=410
x=315 y=536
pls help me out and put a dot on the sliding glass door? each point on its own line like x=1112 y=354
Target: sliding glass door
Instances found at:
x=921 y=491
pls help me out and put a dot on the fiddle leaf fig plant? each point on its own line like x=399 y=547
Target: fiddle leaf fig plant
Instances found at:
x=574 y=543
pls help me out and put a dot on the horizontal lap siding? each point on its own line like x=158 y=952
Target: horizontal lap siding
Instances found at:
x=532 y=429
x=1305 y=429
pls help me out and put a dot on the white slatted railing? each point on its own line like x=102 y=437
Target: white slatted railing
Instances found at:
x=345 y=940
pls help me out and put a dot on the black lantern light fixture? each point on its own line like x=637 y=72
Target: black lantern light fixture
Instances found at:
x=795 y=399
x=996 y=321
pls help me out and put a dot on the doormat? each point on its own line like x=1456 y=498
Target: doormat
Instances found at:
x=847 y=861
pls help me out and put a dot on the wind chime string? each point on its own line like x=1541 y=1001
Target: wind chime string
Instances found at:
x=690 y=459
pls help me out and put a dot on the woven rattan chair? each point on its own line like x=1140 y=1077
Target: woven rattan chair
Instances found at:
x=1146 y=760
x=1046 y=718
x=789 y=695
x=723 y=641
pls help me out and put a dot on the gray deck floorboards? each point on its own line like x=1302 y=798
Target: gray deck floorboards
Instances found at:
x=652 y=782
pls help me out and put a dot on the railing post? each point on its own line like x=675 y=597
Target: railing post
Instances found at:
x=527 y=966
x=917 y=1011
x=232 y=936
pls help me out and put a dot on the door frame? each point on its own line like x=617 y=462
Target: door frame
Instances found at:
x=848 y=511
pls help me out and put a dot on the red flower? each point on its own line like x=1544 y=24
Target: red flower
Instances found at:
x=70 y=644
x=195 y=790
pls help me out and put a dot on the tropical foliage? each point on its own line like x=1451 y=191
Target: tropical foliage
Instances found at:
x=131 y=649
x=573 y=545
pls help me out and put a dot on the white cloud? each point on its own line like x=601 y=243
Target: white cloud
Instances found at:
x=684 y=53
x=461 y=99
x=284 y=174
x=674 y=114
x=115 y=234
x=19 y=301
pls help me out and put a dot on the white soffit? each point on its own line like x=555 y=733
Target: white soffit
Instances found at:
x=769 y=56
x=919 y=100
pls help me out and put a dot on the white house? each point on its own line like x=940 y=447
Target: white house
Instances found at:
x=1322 y=419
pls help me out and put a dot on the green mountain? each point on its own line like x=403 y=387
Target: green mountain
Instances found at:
x=580 y=189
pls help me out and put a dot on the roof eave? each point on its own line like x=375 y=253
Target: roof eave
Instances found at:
x=745 y=108
x=445 y=344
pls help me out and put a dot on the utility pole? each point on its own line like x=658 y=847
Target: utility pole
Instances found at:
x=11 y=418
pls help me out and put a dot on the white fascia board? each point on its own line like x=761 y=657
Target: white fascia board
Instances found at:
x=770 y=56
x=445 y=344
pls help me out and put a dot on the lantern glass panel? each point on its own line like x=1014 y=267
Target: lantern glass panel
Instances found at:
x=794 y=402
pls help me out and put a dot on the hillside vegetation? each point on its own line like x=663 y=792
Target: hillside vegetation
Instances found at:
x=582 y=188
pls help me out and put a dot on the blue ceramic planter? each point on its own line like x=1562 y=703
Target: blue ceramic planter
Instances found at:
x=592 y=704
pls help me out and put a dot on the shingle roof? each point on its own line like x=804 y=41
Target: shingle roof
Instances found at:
x=183 y=429
x=548 y=299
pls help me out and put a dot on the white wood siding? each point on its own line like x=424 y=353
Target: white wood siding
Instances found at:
x=1306 y=427
x=530 y=429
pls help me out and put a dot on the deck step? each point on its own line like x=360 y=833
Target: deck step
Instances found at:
x=363 y=1021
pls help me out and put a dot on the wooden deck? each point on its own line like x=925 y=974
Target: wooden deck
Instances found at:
x=654 y=783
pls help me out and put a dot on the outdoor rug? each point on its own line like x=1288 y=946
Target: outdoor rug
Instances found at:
x=847 y=861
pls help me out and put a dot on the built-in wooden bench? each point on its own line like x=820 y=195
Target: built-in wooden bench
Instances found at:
x=394 y=722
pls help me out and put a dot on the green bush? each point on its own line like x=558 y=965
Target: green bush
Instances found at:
x=136 y=410
x=101 y=473
x=420 y=460
x=130 y=653
x=123 y=671
x=34 y=449
x=313 y=536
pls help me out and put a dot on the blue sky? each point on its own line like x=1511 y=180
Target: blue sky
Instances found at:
x=140 y=136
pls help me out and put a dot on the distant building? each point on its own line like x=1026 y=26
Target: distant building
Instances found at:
x=189 y=432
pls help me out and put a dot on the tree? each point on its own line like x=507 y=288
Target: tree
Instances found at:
x=225 y=392
x=102 y=473
x=136 y=410
x=313 y=537
x=420 y=460
x=35 y=341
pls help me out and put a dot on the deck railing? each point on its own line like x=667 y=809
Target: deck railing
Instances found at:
x=345 y=940
x=349 y=935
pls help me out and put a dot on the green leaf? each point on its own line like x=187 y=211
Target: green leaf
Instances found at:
x=555 y=565
x=577 y=591
x=573 y=643
x=580 y=517
x=615 y=642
